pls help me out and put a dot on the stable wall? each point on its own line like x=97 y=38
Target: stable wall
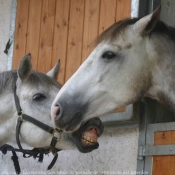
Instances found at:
x=118 y=147
x=5 y=10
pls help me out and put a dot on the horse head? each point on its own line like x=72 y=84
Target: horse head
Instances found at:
x=35 y=92
x=125 y=66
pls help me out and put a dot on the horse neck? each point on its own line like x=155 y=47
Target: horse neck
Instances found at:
x=7 y=110
x=163 y=74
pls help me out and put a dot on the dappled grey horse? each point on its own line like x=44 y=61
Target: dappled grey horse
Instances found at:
x=26 y=96
x=134 y=58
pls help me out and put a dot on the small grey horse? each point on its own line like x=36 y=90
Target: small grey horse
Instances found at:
x=35 y=92
x=134 y=58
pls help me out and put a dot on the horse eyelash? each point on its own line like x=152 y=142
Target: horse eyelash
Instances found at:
x=38 y=97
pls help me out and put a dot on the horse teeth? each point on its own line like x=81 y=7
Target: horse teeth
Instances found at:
x=89 y=140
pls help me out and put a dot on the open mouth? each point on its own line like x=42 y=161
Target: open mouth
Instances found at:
x=90 y=136
x=86 y=137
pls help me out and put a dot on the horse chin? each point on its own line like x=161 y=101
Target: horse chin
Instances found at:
x=85 y=138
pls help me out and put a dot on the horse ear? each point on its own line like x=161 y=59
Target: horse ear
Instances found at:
x=146 y=24
x=54 y=72
x=25 y=67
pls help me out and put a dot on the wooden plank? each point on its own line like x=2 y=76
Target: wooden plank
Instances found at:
x=123 y=109
x=91 y=22
x=20 y=31
x=123 y=9
x=61 y=36
x=46 y=35
x=164 y=138
x=164 y=165
x=33 y=33
x=75 y=37
x=107 y=14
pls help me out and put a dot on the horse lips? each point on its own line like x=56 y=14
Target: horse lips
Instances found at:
x=90 y=136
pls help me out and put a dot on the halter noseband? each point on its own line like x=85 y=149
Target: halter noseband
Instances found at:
x=35 y=152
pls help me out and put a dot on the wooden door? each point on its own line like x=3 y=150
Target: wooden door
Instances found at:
x=63 y=29
x=159 y=151
x=164 y=165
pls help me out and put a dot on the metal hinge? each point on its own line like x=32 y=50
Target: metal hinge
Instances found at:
x=160 y=150
x=141 y=152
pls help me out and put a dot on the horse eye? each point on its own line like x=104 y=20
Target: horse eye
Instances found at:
x=108 y=55
x=39 y=97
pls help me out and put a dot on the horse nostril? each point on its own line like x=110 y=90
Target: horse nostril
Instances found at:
x=56 y=110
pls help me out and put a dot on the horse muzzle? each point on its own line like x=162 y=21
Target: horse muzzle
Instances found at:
x=67 y=115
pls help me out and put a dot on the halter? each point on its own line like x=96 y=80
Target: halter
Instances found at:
x=35 y=152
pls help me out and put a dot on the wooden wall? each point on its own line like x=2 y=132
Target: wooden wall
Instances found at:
x=63 y=29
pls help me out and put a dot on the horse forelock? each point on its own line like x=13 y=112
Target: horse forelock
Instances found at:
x=37 y=79
x=112 y=32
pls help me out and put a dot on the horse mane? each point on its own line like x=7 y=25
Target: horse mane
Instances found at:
x=111 y=33
x=8 y=79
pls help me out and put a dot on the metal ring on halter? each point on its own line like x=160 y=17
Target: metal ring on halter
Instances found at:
x=58 y=131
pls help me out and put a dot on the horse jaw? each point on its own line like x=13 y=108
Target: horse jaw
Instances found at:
x=8 y=118
x=39 y=138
